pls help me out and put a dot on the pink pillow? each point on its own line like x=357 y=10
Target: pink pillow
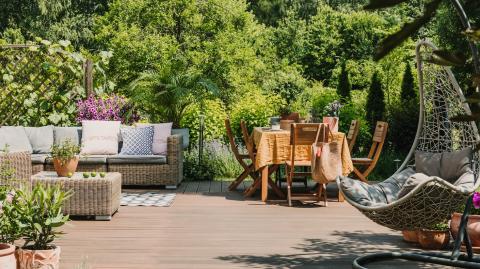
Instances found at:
x=161 y=132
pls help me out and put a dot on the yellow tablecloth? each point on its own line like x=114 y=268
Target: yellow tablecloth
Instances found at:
x=273 y=147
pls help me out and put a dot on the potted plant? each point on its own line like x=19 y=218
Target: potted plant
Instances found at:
x=436 y=237
x=40 y=214
x=473 y=225
x=65 y=157
x=9 y=229
x=332 y=111
x=410 y=236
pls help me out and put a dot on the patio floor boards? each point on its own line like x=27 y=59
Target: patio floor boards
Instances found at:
x=217 y=229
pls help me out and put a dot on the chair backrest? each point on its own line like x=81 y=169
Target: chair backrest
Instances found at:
x=249 y=144
x=303 y=133
x=233 y=145
x=352 y=134
x=378 y=140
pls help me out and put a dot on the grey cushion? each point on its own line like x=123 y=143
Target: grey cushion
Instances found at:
x=392 y=186
x=41 y=138
x=93 y=159
x=87 y=159
x=137 y=159
x=16 y=139
x=447 y=165
x=62 y=133
x=39 y=158
x=454 y=164
x=428 y=163
x=465 y=181
x=361 y=192
x=413 y=181
x=376 y=194
x=185 y=136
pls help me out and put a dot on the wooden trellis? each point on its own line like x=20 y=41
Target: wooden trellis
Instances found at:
x=40 y=84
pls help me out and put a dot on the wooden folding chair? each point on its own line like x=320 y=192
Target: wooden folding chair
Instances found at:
x=248 y=169
x=368 y=163
x=302 y=134
x=352 y=134
x=250 y=145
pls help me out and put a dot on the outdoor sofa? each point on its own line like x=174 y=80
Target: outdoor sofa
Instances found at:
x=146 y=170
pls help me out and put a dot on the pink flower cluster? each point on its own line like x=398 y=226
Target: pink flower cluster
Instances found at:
x=476 y=200
x=113 y=107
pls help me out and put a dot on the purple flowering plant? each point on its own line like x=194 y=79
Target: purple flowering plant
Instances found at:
x=111 y=107
x=476 y=200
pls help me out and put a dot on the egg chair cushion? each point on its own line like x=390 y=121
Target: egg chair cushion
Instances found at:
x=376 y=194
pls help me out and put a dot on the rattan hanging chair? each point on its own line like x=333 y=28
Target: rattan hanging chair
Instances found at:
x=435 y=200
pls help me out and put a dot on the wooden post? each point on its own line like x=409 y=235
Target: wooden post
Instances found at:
x=88 y=76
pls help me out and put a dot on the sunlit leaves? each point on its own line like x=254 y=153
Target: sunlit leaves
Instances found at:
x=377 y=4
x=408 y=29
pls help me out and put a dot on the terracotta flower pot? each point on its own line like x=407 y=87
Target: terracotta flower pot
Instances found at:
x=286 y=124
x=332 y=123
x=473 y=227
x=410 y=236
x=7 y=256
x=295 y=116
x=429 y=239
x=64 y=169
x=39 y=259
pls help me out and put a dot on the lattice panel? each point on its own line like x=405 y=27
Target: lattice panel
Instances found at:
x=39 y=84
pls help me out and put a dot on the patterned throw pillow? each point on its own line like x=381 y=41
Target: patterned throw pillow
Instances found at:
x=161 y=132
x=137 y=141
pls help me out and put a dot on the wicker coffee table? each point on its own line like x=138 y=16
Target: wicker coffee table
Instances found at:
x=93 y=196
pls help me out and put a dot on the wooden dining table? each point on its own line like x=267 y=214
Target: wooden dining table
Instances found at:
x=273 y=148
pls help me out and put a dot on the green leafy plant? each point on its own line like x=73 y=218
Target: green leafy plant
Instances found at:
x=65 y=151
x=167 y=93
x=40 y=212
x=10 y=228
x=443 y=226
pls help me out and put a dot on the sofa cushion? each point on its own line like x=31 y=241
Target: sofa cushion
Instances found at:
x=93 y=159
x=100 y=137
x=137 y=159
x=39 y=158
x=16 y=138
x=185 y=136
x=63 y=133
x=160 y=135
x=87 y=159
x=137 y=141
x=41 y=138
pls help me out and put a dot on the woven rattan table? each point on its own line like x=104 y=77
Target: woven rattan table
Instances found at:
x=93 y=196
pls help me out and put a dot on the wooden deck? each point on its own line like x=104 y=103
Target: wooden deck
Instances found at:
x=207 y=227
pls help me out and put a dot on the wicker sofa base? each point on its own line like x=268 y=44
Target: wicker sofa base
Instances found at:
x=132 y=174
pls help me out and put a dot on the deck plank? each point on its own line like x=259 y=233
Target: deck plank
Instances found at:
x=216 y=186
x=203 y=187
x=226 y=231
x=192 y=187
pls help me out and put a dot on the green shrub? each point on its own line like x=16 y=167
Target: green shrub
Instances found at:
x=375 y=102
x=215 y=115
x=386 y=165
x=320 y=100
x=255 y=109
x=217 y=162
x=344 y=87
